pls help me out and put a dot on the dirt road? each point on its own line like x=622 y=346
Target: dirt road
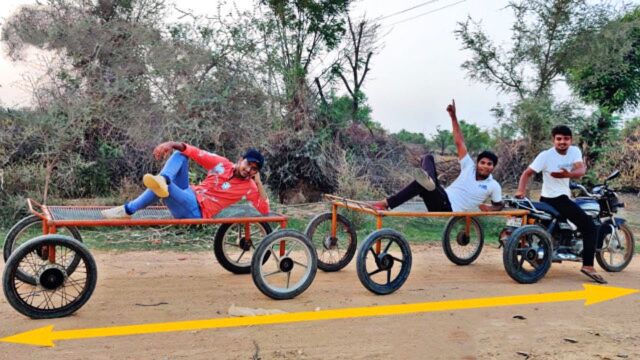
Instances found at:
x=193 y=287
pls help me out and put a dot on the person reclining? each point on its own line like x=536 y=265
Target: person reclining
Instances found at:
x=225 y=184
x=468 y=192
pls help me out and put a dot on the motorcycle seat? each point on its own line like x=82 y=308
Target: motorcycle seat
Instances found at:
x=548 y=209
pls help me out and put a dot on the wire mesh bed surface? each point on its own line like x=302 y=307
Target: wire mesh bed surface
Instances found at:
x=155 y=212
x=413 y=209
x=154 y=215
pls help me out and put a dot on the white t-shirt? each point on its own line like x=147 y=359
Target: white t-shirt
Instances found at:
x=550 y=161
x=466 y=193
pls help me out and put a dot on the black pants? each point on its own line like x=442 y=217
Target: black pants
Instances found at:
x=436 y=200
x=570 y=210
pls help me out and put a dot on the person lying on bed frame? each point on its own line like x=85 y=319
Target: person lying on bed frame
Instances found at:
x=468 y=192
x=226 y=183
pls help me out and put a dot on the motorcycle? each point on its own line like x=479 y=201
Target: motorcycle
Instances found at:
x=533 y=242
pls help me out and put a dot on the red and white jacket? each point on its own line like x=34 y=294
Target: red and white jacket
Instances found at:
x=220 y=189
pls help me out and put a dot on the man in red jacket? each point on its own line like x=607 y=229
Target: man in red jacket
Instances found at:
x=226 y=183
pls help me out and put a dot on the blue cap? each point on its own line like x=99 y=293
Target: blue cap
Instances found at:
x=254 y=156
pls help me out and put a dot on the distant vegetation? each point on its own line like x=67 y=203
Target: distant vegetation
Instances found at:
x=123 y=78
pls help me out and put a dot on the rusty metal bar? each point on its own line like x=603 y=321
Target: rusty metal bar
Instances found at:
x=429 y=214
x=334 y=221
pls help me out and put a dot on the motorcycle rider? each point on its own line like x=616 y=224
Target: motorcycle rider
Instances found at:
x=559 y=164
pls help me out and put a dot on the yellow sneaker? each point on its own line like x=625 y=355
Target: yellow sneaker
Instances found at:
x=157 y=184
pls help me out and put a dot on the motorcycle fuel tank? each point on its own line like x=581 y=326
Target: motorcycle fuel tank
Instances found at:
x=590 y=206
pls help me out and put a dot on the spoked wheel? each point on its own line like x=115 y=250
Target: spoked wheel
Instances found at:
x=617 y=248
x=384 y=261
x=284 y=264
x=460 y=245
x=527 y=254
x=28 y=228
x=56 y=292
x=234 y=245
x=334 y=252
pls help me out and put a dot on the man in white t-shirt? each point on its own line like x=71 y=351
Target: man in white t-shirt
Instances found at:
x=468 y=192
x=558 y=165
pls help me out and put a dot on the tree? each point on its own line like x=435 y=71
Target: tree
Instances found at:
x=443 y=140
x=605 y=68
x=361 y=45
x=302 y=30
x=411 y=137
x=536 y=59
x=475 y=138
x=537 y=55
x=123 y=79
x=605 y=72
x=301 y=164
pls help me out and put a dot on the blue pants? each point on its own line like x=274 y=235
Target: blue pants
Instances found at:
x=182 y=202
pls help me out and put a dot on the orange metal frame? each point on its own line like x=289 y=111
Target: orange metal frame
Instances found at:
x=363 y=207
x=50 y=225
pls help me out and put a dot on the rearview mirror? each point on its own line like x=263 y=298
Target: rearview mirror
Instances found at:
x=613 y=175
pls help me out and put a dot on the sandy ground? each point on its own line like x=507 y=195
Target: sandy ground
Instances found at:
x=193 y=287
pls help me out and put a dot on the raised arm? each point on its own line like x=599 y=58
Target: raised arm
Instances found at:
x=457 y=132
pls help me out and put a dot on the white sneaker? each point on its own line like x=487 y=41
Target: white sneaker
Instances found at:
x=424 y=180
x=117 y=212
x=157 y=184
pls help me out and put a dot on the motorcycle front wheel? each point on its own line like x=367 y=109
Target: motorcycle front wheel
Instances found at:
x=617 y=249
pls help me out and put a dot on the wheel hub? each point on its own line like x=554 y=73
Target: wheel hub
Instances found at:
x=463 y=239
x=245 y=244
x=531 y=255
x=286 y=264
x=385 y=261
x=51 y=276
x=330 y=242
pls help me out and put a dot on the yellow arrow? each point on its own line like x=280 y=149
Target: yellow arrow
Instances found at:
x=592 y=294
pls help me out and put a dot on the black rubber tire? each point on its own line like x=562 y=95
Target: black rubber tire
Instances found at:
x=630 y=248
x=318 y=243
x=218 y=249
x=361 y=262
x=510 y=259
x=10 y=244
x=263 y=251
x=447 y=238
x=9 y=276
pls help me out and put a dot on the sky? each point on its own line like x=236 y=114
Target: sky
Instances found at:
x=412 y=79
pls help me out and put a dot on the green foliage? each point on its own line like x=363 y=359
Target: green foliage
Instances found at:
x=537 y=56
x=475 y=138
x=535 y=117
x=442 y=140
x=630 y=127
x=321 y=18
x=302 y=30
x=547 y=38
x=338 y=113
x=411 y=137
x=605 y=66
